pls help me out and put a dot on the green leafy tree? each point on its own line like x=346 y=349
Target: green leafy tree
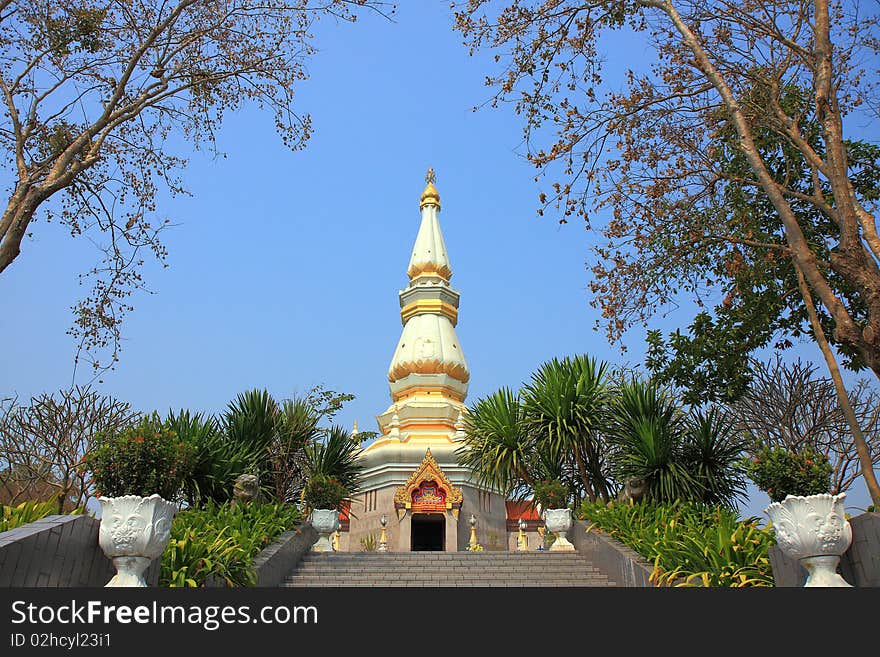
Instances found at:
x=639 y=159
x=762 y=305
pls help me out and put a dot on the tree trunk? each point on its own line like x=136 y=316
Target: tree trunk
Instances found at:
x=843 y=399
x=582 y=471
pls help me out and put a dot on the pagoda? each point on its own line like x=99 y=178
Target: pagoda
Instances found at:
x=412 y=478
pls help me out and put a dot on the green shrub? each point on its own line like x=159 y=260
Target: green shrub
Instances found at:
x=551 y=494
x=690 y=544
x=369 y=543
x=221 y=541
x=216 y=460
x=142 y=460
x=780 y=472
x=323 y=492
x=22 y=514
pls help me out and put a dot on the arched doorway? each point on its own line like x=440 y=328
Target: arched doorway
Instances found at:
x=428 y=532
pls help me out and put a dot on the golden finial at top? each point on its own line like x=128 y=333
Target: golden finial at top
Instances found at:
x=430 y=196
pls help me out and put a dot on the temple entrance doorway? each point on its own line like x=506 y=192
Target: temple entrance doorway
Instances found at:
x=428 y=532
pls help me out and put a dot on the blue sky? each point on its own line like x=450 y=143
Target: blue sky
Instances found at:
x=285 y=267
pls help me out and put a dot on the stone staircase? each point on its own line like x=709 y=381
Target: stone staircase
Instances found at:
x=435 y=569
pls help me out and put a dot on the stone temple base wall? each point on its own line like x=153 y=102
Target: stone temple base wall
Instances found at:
x=367 y=509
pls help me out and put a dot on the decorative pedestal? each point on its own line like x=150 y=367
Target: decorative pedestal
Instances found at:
x=325 y=522
x=134 y=530
x=383 y=537
x=814 y=530
x=558 y=521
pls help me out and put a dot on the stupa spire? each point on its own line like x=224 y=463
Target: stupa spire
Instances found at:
x=429 y=259
x=428 y=365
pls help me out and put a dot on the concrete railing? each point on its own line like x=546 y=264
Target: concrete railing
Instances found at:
x=621 y=564
x=60 y=551
x=63 y=551
x=278 y=560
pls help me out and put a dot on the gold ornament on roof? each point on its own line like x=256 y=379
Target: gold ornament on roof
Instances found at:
x=429 y=470
x=430 y=196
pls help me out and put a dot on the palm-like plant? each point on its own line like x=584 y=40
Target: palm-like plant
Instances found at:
x=495 y=446
x=336 y=457
x=647 y=428
x=251 y=419
x=564 y=409
x=217 y=459
x=296 y=427
x=712 y=452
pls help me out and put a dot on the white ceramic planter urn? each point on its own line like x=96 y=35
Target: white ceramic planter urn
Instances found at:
x=814 y=530
x=134 y=530
x=325 y=522
x=558 y=521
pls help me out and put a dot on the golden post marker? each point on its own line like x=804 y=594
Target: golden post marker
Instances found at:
x=383 y=539
x=523 y=539
x=473 y=539
x=336 y=541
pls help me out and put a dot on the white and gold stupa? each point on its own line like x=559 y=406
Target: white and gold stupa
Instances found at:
x=412 y=476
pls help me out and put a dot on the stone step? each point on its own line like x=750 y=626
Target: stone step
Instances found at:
x=316 y=582
x=471 y=571
x=445 y=576
x=436 y=569
x=448 y=573
x=539 y=562
x=534 y=554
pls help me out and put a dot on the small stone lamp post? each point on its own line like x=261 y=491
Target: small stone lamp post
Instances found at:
x=523 y=539
x=473 y=539
x=383 y=539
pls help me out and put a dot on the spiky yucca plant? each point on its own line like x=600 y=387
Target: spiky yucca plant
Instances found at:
x=336 y=457
x=217 y=458
x=496 y=446
x=647 y=427
x=564 y=410
x=712 y=452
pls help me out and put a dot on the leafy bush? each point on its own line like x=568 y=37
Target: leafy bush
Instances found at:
x=22 y=514
x=690 y=544
x=551 y=494
x=221 y=541
x=142 y=460
x=323 y=492
x=780 y=472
